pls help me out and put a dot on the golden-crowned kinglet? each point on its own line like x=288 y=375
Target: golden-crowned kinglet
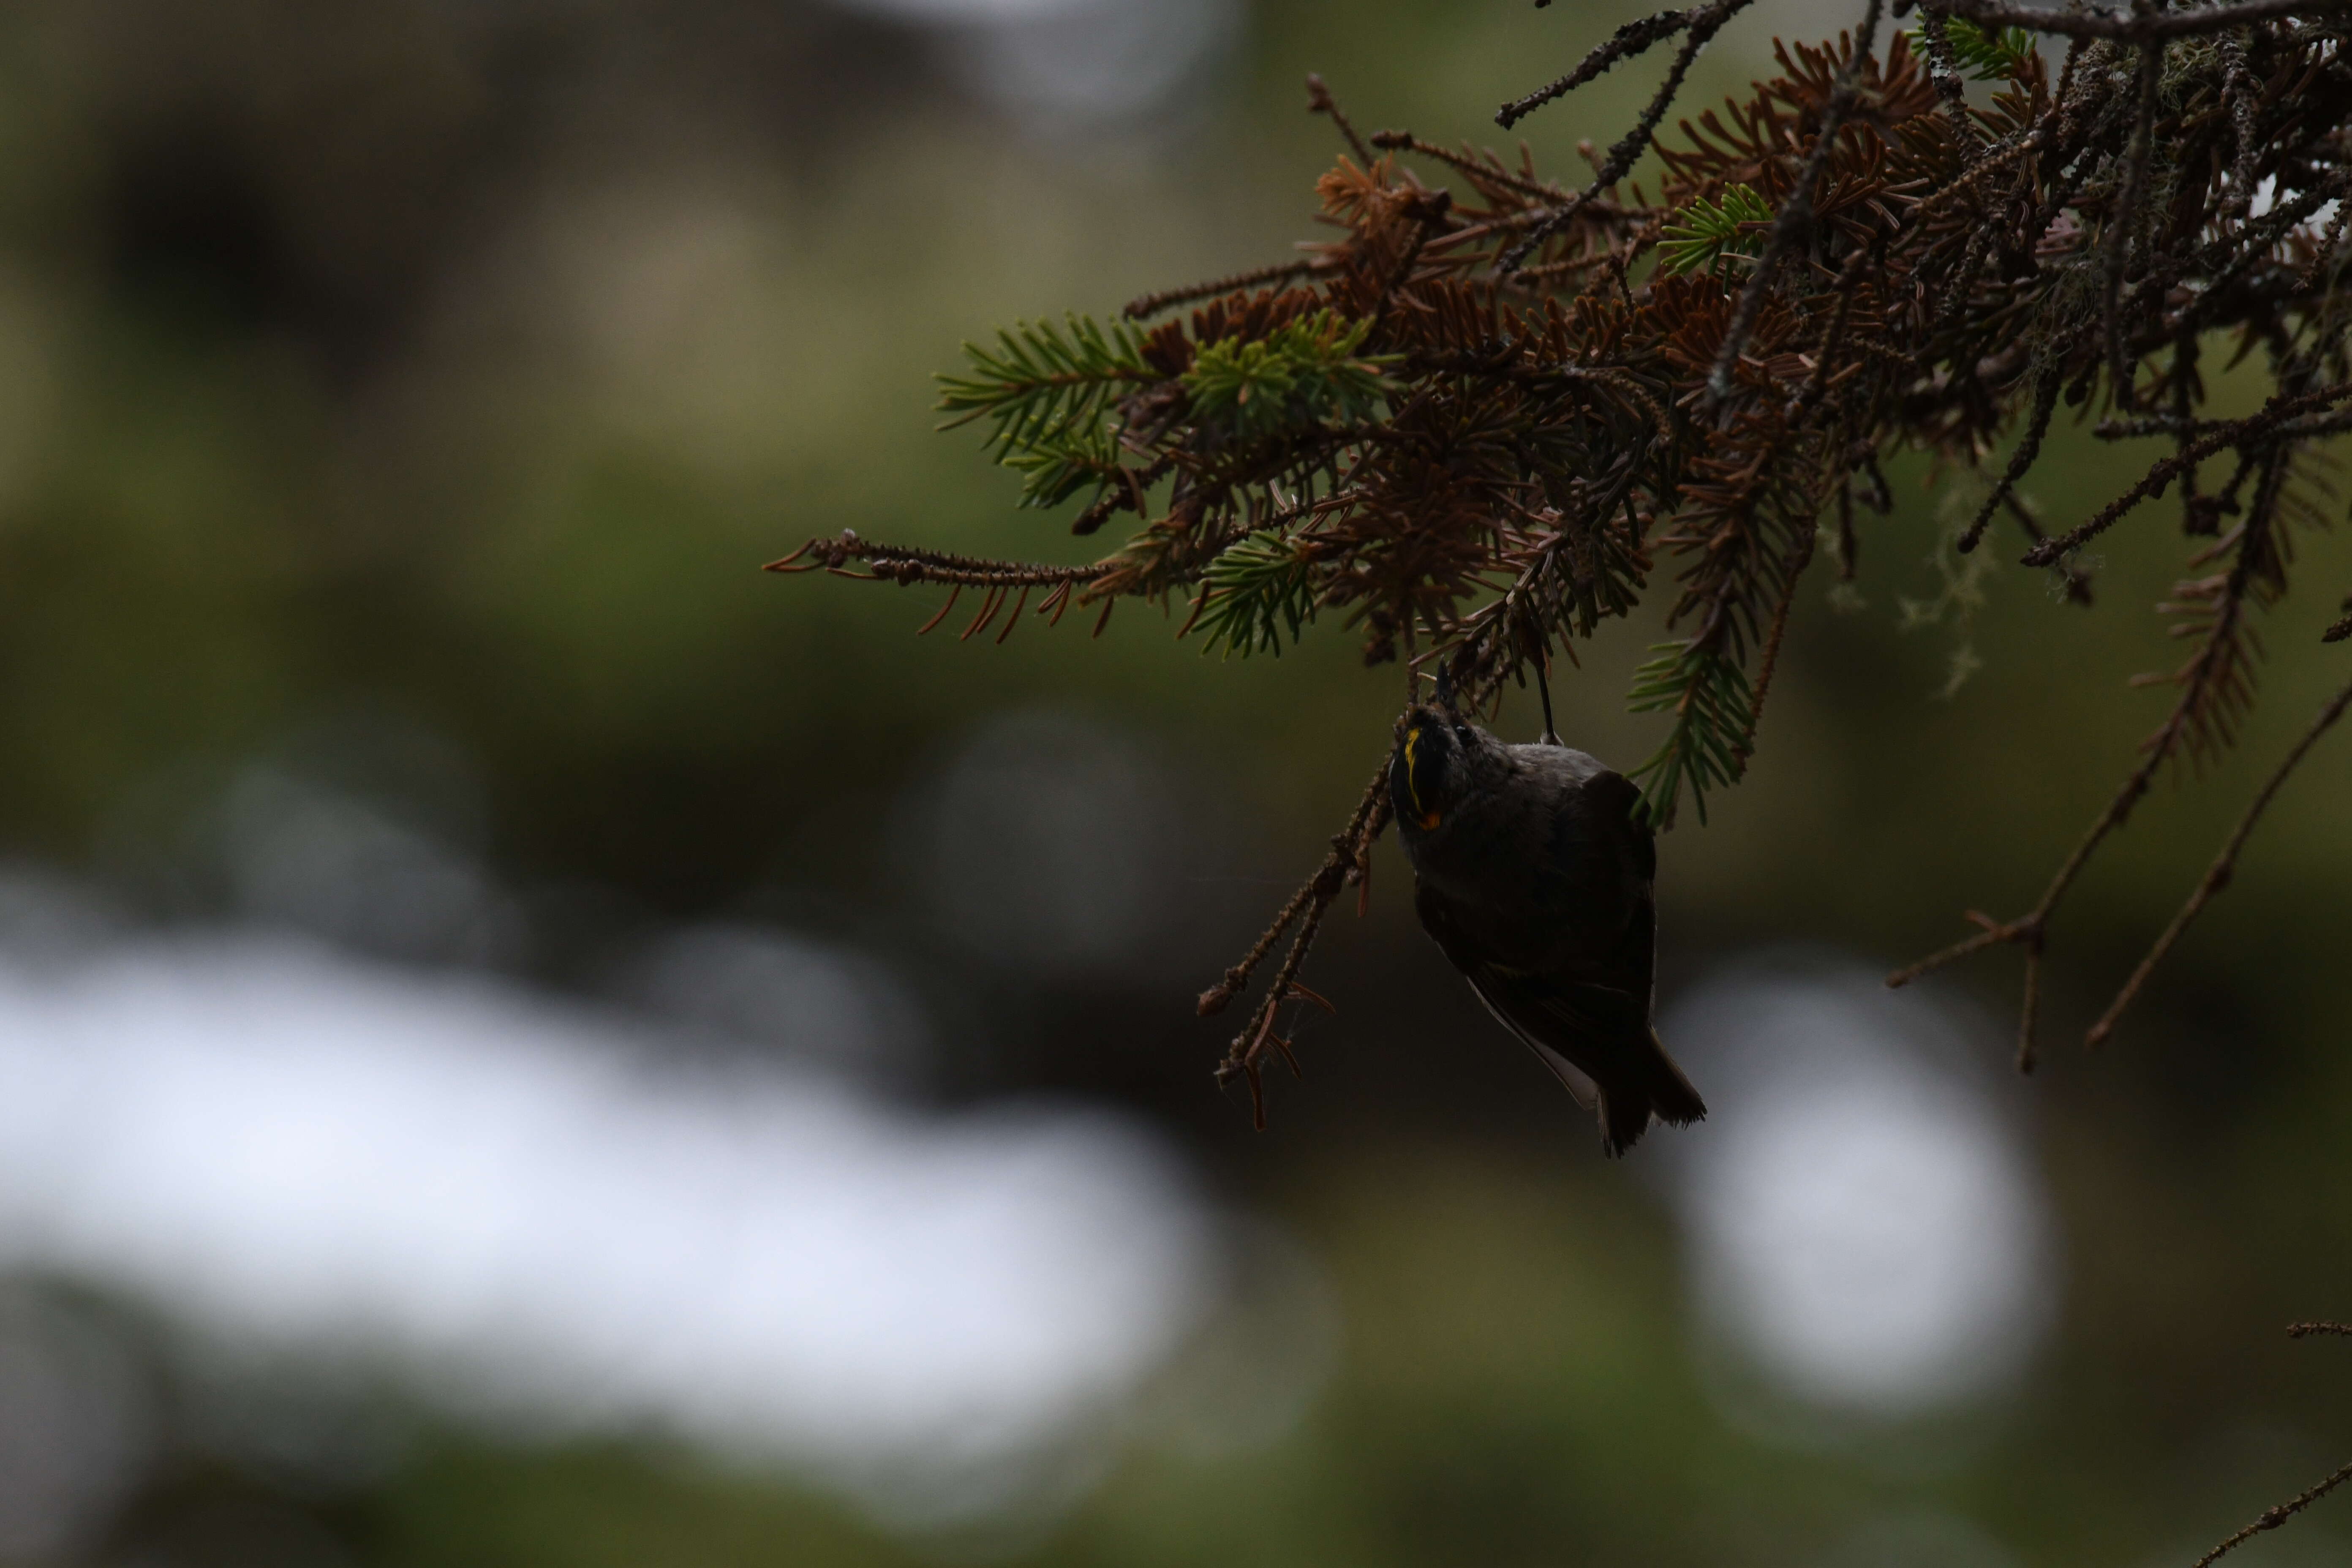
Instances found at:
x=1534 y=873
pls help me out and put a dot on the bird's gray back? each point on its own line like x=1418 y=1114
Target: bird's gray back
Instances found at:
x=1537 y=855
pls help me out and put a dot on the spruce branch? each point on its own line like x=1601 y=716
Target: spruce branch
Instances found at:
x=1494 y=409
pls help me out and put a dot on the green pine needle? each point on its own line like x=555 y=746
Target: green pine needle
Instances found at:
x=1259 y=589
x=1712 y=707
x=1705 y=235
x=1307 y=372
x=2006 y=55
x=1051 y=392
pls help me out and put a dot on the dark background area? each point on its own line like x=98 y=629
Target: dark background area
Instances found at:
x=442 y=370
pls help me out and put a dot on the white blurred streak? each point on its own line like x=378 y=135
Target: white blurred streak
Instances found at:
x=1101 y=64
x=1864 y=1225
x=1075 y=63
x=522 y=1209
x=819 y=1005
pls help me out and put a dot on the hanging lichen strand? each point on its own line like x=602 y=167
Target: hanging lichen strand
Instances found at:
x=1499 y=409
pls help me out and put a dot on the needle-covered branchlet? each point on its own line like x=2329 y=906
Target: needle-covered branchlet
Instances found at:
x=1795 y=223
x=2212 y=686
x=998 y=579
x=1944 y=71
x=1493 y=410
x=1144 y=307
x=2029 y=448
x=1349 y=861
x=1633 y=39
x=2272 y=1518
x=2126 y=221
x=1699 y=25
x=2142 y=23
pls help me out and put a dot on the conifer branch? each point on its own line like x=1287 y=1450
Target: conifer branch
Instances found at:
x=1496 y=409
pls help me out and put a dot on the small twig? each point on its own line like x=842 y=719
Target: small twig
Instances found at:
x=1215 y=998
x=1148 y=305
x=1796 y=217
x=2032 y=1007
x=1348 y=861
x=2120 y=219
x=2157 y=26
x=1832 y=336
x=2029 y=448
x=2305 y=1331
x=1633 y=39
x=895 y=563
x=2078 y=576
x=1406 y=141
x=1703 y=23
x=2029 y=929
x=2217 y=876
x=1320 y=101
x=1800 y=555
x=1128 y=497
x=2253 y=427
x=2242 y=92
x=2274 y=1517
x=1943 y=71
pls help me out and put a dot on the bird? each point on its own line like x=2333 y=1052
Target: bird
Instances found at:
x=1534 y=872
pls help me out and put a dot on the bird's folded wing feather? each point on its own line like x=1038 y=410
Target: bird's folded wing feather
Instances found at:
x=1575 y=1079
x=1560 y=1018
x=1569 y=1023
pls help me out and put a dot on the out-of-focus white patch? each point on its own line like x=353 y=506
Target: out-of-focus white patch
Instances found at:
x=1076 y=63
x=817 y=1005
x=1864 y=1225
x=522 y=1210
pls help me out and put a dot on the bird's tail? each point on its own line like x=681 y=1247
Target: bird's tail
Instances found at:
x=1652 y=1085
x=1671 y=1094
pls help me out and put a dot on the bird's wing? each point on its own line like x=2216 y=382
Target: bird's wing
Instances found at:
x=1575 y=1079
x=1612 y=797
x=1568 y=1022
x=1598 y=1042
x=1571 y=1024
x=1603 y=864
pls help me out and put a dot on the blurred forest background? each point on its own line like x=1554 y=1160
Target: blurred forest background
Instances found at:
x=523 y=1039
